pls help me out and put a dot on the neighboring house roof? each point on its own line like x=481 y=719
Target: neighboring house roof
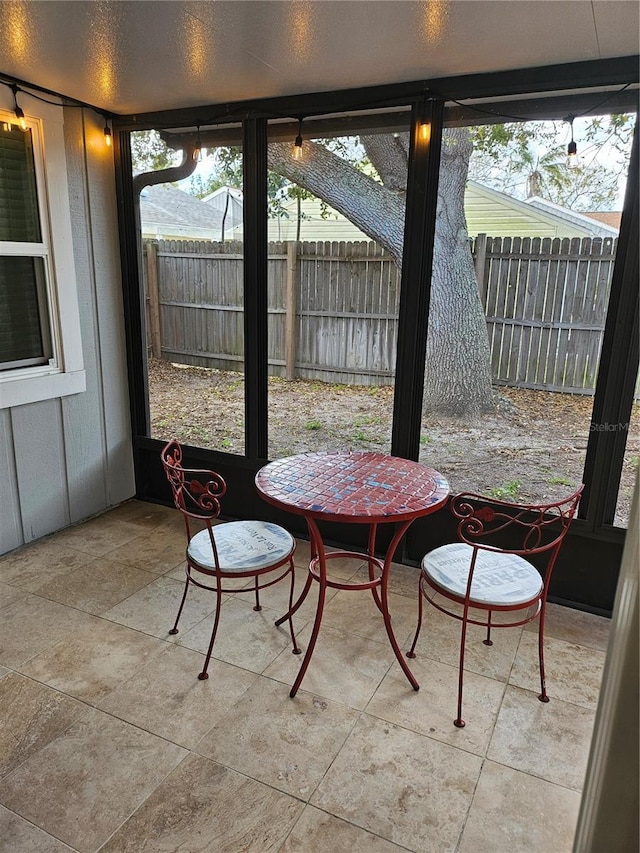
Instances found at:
x=228 y=202
x=167 y=212
x=574 y=218
x=609 y=217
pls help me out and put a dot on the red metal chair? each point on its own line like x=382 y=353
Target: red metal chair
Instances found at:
x=235 y=549
x=487 y=572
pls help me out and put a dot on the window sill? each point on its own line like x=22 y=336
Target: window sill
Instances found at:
x=21 y=390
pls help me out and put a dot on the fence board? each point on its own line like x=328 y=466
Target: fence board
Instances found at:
x=545 y=302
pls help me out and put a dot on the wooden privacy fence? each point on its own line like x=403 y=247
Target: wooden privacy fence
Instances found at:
x=333 y=308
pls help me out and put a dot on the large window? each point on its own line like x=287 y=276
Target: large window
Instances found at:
x=525 y=249
x=335 y=230
x=40 y=349
x=24 y=318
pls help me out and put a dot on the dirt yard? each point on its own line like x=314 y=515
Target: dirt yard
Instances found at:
x=531 y=449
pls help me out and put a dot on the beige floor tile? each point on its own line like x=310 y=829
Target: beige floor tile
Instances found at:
x=153 y=609
x=245 y=638
x=549 y=740
x=432 y=709
x=344 y=667
x=286 y=743
x=95 y=587
x=277 y=598
x=157 y=552
x=19 y=836
x=9 y=594
x=204 y=807
x=85 y=783
x=144 y=514
x=574 y=626
x=403 y=580
x=573 y=673
x=32 y=715
x=98 y=536
x=93 y=660
x=32 y=624
x=40 y=563
x=355 y=612
x=166 y=698
x=440 y=640
x=512 y=811
x=319 y=832
x=400 y=785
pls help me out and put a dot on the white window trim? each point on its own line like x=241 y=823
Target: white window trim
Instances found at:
x=65 y=373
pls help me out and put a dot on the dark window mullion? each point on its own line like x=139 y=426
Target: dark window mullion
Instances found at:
x=617 y=374
x=255 y=287
x=415 y=287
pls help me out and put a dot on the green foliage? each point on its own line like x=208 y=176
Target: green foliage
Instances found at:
x=313 y=425
x=150 y=153
x=559 y=481
x=530 y=158
x=507 y=492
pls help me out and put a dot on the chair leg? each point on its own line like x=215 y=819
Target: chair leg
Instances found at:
x=174 y=630
x=487 y=640
x=257 y=592
x=296 y=648
x=412 y=653
x=459 y=722
x=204 y=674
x=543 y=684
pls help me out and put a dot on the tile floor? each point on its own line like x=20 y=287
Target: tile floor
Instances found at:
x=109 y=742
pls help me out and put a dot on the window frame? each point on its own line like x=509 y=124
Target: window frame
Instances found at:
x=64 y=373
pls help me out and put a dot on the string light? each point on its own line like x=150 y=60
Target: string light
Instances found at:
x=107 y=132
x=17 y=109
x=197 y=151
x=572 y=148
x=425 y=131
x=297 y=145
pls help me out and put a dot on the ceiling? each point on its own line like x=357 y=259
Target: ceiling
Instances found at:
x=130 y=57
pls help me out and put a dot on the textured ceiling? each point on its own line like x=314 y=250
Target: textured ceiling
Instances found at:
x=128 y=57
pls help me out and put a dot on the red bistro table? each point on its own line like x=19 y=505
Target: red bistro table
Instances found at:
x=352 y=488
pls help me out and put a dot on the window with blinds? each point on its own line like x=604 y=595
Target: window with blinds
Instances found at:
x=25 y=337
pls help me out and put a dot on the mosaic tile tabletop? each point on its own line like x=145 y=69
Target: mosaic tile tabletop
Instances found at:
x=356 y=486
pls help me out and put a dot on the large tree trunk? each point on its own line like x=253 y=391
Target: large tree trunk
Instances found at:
x=457 y=375
x=458 y=362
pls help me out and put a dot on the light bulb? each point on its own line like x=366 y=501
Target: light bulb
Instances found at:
x=297 y=148
x=572 y=154
x=425 y=131
x=21 y=119
x=107 y=135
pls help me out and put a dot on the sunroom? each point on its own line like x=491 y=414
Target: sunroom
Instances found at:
x=249 y=346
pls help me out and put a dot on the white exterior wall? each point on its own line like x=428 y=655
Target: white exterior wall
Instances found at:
x=65 y=459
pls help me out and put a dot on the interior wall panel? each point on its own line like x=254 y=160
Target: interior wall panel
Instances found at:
x=111 y=345
x=67 y=459
x=83 y=414
x=10 y=523
x=38 y=440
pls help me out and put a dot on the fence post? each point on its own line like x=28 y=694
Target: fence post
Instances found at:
x=290 y=337
x=154 y=299
x=481 y=255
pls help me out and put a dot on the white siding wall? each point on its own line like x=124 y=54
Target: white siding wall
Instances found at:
x=66 y=459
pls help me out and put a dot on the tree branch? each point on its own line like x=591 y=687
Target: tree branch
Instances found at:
x=373 y=208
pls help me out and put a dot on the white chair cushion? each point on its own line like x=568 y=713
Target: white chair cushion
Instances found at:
x=498 y=578
x=242 y=546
